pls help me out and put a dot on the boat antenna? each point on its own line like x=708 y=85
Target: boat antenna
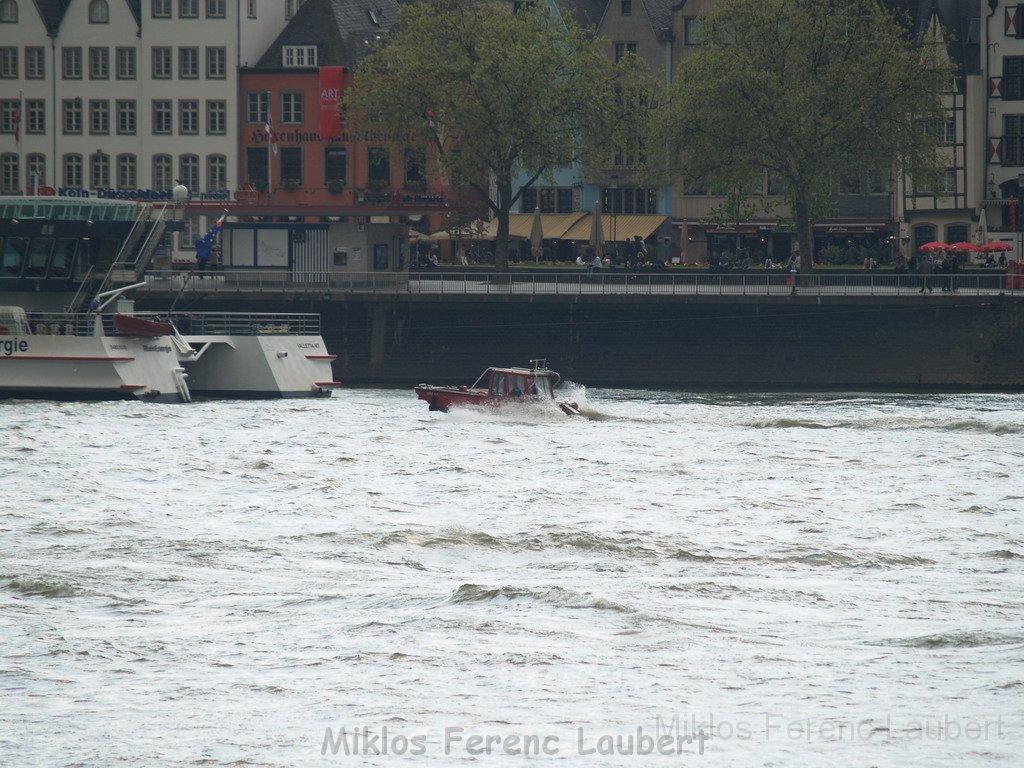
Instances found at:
x=540 y=363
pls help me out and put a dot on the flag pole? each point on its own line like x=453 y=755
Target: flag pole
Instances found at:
x=270 y=152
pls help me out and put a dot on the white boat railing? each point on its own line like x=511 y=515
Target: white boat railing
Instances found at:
x=657 y=283
x=196 y=323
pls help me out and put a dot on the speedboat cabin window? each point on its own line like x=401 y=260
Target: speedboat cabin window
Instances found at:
x=516 y=385
x=499 y=384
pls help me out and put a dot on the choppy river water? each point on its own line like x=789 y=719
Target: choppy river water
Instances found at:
x=680 y=579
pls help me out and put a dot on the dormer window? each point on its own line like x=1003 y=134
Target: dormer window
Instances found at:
x=627 y=7
x=298 y=56
x=9 y=11
x=99 y=12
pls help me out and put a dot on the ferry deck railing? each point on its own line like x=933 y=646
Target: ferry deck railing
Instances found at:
x=659 y=283
x=187 y=323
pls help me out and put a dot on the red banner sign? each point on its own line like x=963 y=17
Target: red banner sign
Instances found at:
x=330 y=96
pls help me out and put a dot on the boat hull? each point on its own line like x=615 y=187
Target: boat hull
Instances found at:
x=88 y=367
x=443 y=398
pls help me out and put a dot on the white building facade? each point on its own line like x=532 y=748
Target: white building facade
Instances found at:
x=122 y=98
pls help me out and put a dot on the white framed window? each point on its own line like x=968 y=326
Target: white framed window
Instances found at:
x=11 y=172
x=188 y=9
x=162 y=62
x=251 y=7
x=188 y=62
x=72 y=58
x=256 y=103
x=298 y=56
x=35 y=62
x=161 y=9
x=162 y=178
x=9 y=62
x=126 y=117
x=216 y=173
x=72 y=115
x=125 y=63
x=99 y=170
x=162 y=116
x=215 y=9
x=188 y=166
x=99 y=116
x=216 y=62
x=36 y=170
x=73 y=170
x=126 y=173
x=99 y=63
x=291 y=107
x=217 y=117
x=35 y=113
x=188 y=117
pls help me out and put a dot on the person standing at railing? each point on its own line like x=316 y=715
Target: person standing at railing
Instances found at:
x=925 y=267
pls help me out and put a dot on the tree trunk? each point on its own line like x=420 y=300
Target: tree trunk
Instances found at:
x=804 y=234
x=504 y=190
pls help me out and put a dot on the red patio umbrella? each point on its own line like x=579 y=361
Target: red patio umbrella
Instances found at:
x=996 y=245
x=965 y=247
x=932 y=246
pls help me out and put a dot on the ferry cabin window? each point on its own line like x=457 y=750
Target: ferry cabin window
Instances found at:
x=14 y=249
x=63 y=257
x=38 y=256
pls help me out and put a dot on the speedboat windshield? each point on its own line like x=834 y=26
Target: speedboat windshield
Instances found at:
x=484 y=382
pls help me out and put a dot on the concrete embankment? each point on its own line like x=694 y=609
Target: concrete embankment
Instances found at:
x=940 y=341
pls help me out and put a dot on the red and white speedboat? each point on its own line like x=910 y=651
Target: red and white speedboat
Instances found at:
x=497 y=387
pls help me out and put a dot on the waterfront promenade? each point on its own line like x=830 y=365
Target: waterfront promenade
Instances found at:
x=578 y=283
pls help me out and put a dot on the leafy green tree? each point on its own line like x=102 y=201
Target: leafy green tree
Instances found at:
x=499 y=94
x=811 y=91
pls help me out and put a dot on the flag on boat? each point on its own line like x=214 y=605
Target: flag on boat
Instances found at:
x=204 y=244
x=268 y=126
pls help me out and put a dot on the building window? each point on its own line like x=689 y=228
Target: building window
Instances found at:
x=188 y=9
x=99 y=116
x=126 y=117
x=379 y=165
x=291 y=108
x=291 y=164
x=125 y=63
x=161 y=63
x=216 y=57
x=162 y=116
x=9 y=63
x=298 y=55
x=188 y=117
x=99 y=170
x=415 y=167
x=72 y=61
x=621 y=49
x=256 y=106
x=11 y=173
x=73 y=171
x=188 y=63
x=949 y=131
x=216 y=173
x=188 y=167
x=8 y=12
x=72 y=115
x=256 y=166
x=251 y=6
x=161 y=9
x=99 y=63
x=629 y=200
x=1013 y=78
x=35 y=63
x=946 y=183
x=957 y=233
x=99 y=13
x=217 y=117
x=36 y=170
x=8 y=109
x=162 y=179
x=626 y=7
x=126 y=176
x=1013 y=139
x=215 y=9
x=336 y=164
x=35 y=113
x=693 y=31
